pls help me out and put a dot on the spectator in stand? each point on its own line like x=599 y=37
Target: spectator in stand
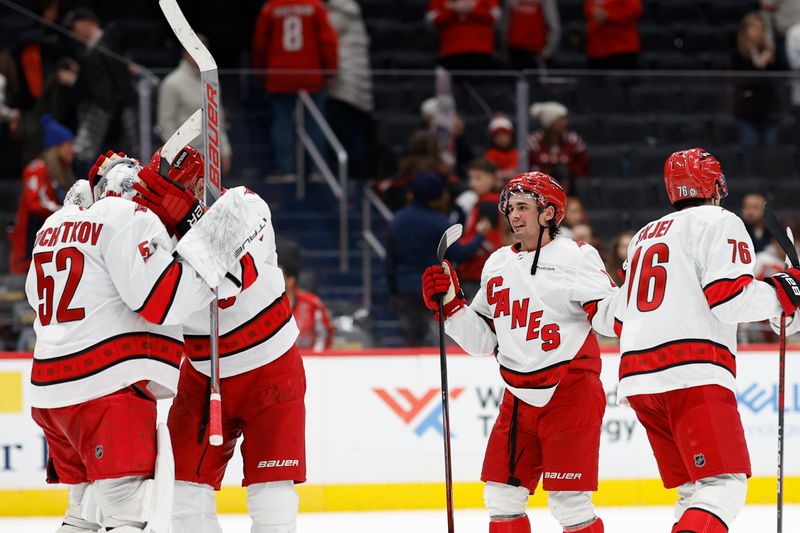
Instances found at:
x=104 y=92
x=502 y=151
x=414 y=234
x=463 y=153
x=483 y=187
x=311 y=315
x=753 y=218
x=574 y=215
x=617 y=256
x=350 y=102
x=292 y=36
x=757 y=100
x=45 y=182
x=612 y=38
x=10 y=114
x=466 y=32
x=533 y=34
x=179 y=96
x=779 y=16
x=40 y=51
x=554 y=149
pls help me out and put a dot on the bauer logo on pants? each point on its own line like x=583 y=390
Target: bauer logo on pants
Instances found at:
x=276 y=463
x=426 y=408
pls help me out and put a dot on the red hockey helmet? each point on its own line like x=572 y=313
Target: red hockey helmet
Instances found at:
x=693 y=173
x=540 y=187
x=187 y=168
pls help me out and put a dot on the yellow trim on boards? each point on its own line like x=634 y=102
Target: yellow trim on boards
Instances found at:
x=405 y=496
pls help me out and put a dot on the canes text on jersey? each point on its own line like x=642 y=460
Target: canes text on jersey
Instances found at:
x=83 y=232
x=520 y=318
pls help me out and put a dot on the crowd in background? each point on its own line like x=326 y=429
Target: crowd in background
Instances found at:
x=65 y=100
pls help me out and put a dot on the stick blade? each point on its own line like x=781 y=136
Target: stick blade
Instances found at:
x=451 y=235
x=186 y=35
x=186 y=133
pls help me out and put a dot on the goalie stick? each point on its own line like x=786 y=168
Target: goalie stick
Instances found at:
x=209 y=81
x=189 y=131
x=785 y=242
x=451 y=235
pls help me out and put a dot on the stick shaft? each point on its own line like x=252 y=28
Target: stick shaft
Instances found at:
x=448 y=462
x=781 y=399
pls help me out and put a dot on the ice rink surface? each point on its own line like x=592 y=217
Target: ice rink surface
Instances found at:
x=754 y=519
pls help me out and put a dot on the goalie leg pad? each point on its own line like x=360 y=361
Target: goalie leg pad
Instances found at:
x=123 y=501
x=273 y=507
x=194 y=509
x=73 y=518
x=505 y=500
x=571 y=508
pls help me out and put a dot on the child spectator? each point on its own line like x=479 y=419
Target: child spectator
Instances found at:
x=483 y=218
x=617 y=256
x=555 y=150
x=311 y=315
x=502 y=152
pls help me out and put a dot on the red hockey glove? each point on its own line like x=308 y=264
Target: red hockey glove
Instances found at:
x=101 y=166
x=176 y=206
x=440 y=282
x=787 y=287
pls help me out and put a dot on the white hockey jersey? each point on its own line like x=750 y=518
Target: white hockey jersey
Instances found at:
x=255 y=327
x=539 y=326
x=109 y=300
x=689 y=282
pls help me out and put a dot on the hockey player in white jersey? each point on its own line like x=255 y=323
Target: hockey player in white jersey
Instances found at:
x=109 y=298
x=689 y=282
x=262 y=385
x=538 y=303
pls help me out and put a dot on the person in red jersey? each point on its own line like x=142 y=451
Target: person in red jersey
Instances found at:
x=689 y=283
x=311 y=315
x=554 y=149
x=262 y=384
x=502 y=151
x=295 y=40
x=466 y=32
x=538 y=302
x=45 y=181
x=612 y=39
x=534 y=31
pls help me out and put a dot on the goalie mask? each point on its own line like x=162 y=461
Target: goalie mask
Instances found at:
x=693 y=173
x=118 y=180
x=187 y=168
x=543 y=189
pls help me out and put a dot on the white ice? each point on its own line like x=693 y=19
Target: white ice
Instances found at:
x=753 y=519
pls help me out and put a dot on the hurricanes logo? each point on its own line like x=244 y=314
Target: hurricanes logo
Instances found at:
x=699 y=460
x=414 y=414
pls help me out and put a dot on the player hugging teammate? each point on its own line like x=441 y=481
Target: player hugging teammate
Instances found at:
x=114 y=303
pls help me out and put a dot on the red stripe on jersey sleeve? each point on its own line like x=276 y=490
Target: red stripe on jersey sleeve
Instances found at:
x=676 y=353
x=720 y=291
x=157 y=304
x=591 y=309
x=249 y=270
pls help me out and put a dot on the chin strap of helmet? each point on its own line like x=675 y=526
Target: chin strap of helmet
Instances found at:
x=538 y=247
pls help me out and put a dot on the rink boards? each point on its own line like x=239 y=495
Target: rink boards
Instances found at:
x=374 y=434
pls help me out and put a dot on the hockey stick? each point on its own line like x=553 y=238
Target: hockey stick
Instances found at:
x=209 y=81
x=785 y=242
x=450 y=236
x=185 y=134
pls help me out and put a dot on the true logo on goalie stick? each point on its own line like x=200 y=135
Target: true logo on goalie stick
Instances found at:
x=699 y=460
